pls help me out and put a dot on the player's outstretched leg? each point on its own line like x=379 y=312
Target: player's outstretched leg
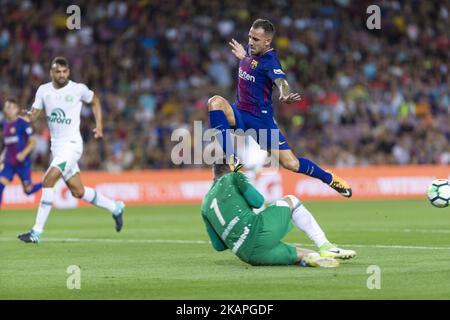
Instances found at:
x=304 y=221
x=314 y=259
x=117 y=208
x=30 y=237
x=51 y=177
x=340 y=185
x=309 y=258
x=5 y=177
x=220 y=117
x=309 y=168
x=331 y=250
x=45 y=206
x=33 y=188
x=305 y=166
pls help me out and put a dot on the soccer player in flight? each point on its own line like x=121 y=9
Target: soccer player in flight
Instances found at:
x=227 y=211
x=18 y=143
x=259 y=71
x=62 y=99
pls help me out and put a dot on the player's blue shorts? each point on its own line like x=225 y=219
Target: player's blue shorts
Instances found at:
x=263 y=120
x=24 y=172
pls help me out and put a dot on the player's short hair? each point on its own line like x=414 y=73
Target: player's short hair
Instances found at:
x=219 y=169
x=12 y=100
x=266 y=25
x=60 y=61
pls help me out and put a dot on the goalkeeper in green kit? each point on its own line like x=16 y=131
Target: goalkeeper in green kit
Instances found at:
x=227 y=211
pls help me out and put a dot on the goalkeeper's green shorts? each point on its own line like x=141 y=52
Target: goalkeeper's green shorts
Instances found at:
x=268 y=249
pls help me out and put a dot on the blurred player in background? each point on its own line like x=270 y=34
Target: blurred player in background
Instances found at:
x=18 y=142
x=259 y=71
x=256 y=238
x=62 y=100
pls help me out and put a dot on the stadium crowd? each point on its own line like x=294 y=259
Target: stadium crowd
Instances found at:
x=369 y=96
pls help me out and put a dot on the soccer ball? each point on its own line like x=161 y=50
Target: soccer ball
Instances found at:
x=439 y=193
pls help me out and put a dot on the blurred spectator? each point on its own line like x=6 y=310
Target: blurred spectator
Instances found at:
x=369 y=97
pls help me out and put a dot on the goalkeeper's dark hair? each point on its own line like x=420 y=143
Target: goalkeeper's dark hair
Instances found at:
x=220 y=169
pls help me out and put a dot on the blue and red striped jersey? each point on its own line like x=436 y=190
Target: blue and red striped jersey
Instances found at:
x=15 y=138
x=256 y=79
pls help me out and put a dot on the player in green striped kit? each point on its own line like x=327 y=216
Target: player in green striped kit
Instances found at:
x=256 y=238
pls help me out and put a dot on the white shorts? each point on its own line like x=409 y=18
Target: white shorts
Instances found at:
x=66 y=159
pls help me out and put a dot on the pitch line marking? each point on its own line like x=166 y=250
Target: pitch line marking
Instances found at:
x=170 y=241
x=404 y=230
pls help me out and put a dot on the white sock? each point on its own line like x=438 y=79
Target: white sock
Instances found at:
x=304 y=221
x=44 y=209
x=98 y=200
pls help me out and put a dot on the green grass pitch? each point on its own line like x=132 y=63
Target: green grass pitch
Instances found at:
x=162 y=253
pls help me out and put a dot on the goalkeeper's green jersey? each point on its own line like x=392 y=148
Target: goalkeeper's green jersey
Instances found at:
x=228 y=215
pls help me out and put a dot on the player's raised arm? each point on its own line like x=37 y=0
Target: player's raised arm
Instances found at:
x=285 y=95
x=97 y=110
x=237 y=49
x=37 y=108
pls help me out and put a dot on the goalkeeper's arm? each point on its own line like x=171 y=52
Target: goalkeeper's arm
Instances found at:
x=248 y=191
x=216 y=241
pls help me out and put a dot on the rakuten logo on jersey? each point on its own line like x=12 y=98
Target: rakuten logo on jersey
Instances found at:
x=11 y=140
x=244 y=75
x=58 y=116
